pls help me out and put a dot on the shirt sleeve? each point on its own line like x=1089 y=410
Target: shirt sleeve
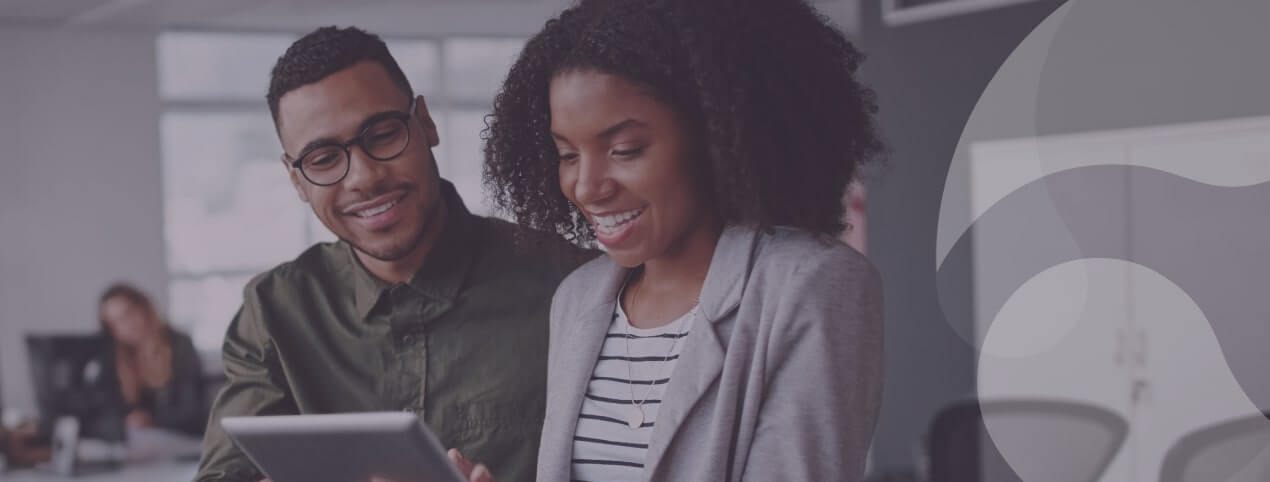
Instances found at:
x=824 y=386
x=255 y=386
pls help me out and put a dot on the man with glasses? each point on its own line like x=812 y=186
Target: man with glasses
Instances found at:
x=421 y=306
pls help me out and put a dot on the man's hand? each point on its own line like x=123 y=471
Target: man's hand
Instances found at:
x=473 y=472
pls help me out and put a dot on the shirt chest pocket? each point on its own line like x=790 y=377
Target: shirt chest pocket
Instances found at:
x=495 y=421
x=502 y=434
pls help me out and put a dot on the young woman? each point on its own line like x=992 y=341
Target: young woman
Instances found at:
x=155 y=368
x=706 y=145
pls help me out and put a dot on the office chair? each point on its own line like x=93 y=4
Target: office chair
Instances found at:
x=1237 y=450
x=1044 y=440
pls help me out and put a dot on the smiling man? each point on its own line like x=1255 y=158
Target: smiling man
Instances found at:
x=421 y=306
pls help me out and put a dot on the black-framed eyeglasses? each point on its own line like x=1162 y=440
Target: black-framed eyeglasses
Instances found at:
x=384 y=137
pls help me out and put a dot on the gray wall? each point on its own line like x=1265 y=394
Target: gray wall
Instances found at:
x=928 y=77
x=1131 y=63
x=80 y=193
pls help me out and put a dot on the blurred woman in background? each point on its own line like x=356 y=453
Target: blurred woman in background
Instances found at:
x=144 y=376
x=156 y=368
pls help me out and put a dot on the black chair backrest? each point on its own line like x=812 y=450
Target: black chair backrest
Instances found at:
x=1022 y=440
x=1233 y=451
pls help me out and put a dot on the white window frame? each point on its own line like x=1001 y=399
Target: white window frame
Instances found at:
x=894 y=15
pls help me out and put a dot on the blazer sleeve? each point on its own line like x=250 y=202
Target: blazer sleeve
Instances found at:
x=560 y=304
x=824 y=380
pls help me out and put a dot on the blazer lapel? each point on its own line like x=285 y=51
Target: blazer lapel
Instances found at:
x=579 y=347
x=702 y=357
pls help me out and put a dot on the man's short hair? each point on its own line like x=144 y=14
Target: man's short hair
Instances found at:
x=326 y=51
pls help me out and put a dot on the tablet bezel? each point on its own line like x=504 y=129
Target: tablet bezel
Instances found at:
x=251 y=434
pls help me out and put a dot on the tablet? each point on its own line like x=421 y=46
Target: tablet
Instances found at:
x=348 y=447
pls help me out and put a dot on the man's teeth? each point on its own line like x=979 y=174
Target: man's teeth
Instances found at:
x=611 y=222
x=376 y=210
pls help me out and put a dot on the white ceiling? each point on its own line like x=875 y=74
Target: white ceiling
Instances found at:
x=112 y=12
x=394 y=17
x=385 y=16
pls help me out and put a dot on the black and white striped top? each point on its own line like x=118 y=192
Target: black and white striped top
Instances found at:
x=605 y=447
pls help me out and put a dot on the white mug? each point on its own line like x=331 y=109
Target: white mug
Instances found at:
x=65 y=445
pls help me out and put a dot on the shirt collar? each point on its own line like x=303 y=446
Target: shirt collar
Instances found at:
x=443 y=271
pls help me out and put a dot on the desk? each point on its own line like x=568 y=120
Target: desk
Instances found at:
x=151 y=472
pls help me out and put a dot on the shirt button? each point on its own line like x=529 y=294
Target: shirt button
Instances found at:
x=408 y=339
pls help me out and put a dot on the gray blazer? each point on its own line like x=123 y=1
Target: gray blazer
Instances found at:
x=779 y=380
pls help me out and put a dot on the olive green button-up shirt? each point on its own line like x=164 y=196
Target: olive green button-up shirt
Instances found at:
x=462 y=344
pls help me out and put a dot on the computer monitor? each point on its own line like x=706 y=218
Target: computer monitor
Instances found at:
x=71 y=378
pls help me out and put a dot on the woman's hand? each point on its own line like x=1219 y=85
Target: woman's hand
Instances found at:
x=473 y=472
x=139 y=419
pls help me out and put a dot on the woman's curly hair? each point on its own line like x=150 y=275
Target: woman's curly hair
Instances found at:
x=767 y=87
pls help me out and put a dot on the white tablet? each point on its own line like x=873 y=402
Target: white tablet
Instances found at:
x=349 y=447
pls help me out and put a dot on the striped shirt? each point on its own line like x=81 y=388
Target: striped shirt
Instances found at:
x=605 y=447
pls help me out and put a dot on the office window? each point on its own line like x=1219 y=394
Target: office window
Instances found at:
x=230 y=211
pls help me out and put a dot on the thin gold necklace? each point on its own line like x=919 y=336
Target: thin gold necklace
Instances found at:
x=635 y=416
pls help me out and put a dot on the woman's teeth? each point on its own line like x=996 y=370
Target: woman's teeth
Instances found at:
x=611 y=223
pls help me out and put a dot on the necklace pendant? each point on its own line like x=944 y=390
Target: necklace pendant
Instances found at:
x=635 y=419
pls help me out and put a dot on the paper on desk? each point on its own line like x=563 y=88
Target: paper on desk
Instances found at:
x=153 y=443
x=94 y=450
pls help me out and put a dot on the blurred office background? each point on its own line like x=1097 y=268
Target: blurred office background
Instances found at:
x=137 y=146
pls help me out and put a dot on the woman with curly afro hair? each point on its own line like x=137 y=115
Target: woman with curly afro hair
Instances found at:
x=706 y=145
